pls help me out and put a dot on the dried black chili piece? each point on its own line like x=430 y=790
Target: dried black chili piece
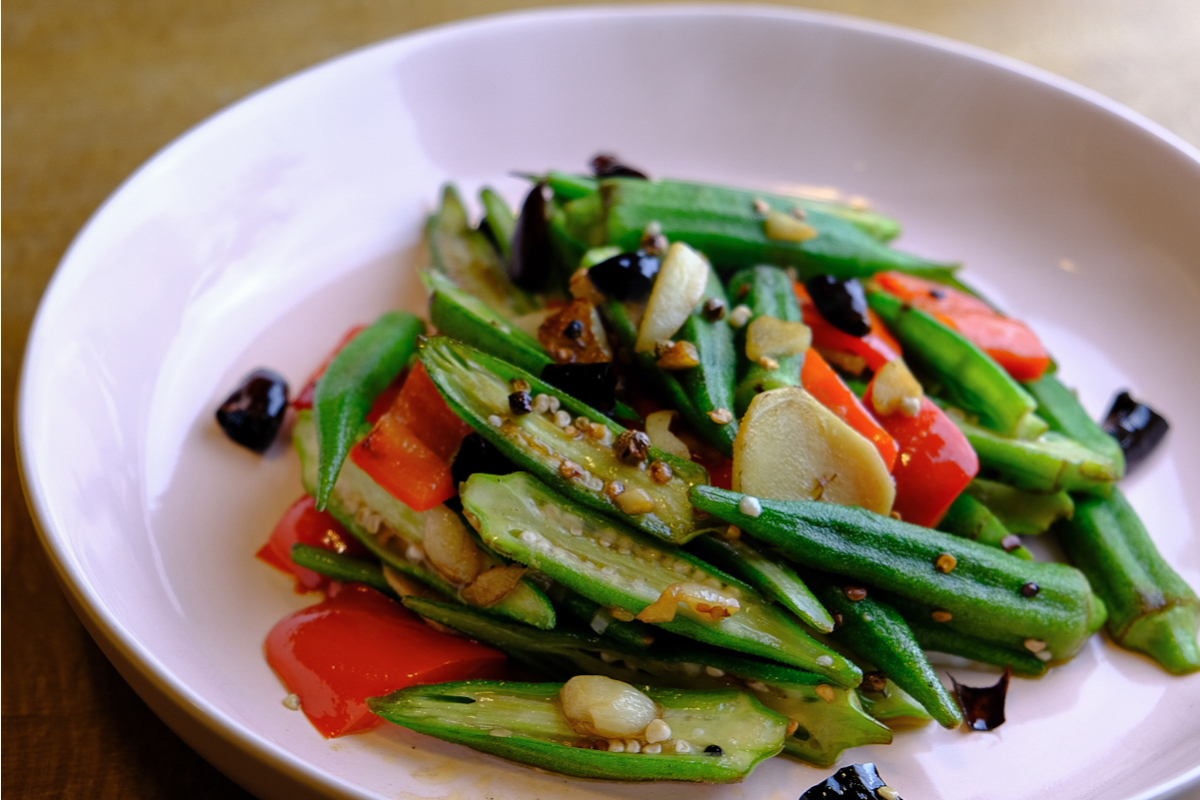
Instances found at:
x=1137 y=427
x=855 y=782
x=253 y=414
x=533 y=254
x=592 y=384
x=477 y=454
x=842 y=303
x=628 y=276
x=607 y=165
x=983 y=706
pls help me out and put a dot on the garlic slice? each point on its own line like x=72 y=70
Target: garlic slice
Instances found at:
x=677 y=289
x=790 y=447
x=658 y=428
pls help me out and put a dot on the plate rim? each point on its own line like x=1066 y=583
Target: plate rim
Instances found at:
x=103 y=623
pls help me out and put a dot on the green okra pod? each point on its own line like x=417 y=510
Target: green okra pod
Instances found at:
x=466 y=257
x=1059 y=406
x=724 y=733
x=937 y=637
x=768 y=292
x=1048 y=464
x=971 y=519
x=462 y=316
x=971 y=378
x=729 y=226
x=500 y=219
x=829 y=719
x=341 y=567
x=554 y=445
x=770 y=575
x=875 y=632
x=637 y=577
x=974 y=588
x=698 y=391
x=357 y=375
x=1151 y=609
x=1021 y=512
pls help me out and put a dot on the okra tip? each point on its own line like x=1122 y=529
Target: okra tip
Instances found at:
x=1169 y=637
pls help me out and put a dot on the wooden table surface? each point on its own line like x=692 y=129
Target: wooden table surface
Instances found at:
x=92 y=89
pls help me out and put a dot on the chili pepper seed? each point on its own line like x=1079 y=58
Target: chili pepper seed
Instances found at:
x=945 y=563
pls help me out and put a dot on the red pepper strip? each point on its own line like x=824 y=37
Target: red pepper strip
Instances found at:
x=303 y=524
x=305 y=398
x=832 y=392
x=411 y=447
x=719 y=466
x=876 y=348
x=421 y=406
x=936 y=461
x=1011 y=342
x=399 y=461
x=359 y=644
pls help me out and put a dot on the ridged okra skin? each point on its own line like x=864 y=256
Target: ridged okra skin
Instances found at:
x=1050 y=463
x=982 y=593
x=1022 y=512
x=627 y=572
x=1059 y=406
x=357 y=500
x=574 y=461
x=524 y=722
x=972 y=379
x=768 y=292
x=1151 y=609
x=875 y=632
x=569 y=187
x=971 y=519
x=935 y=636
x=726 y=225
x=829 y=719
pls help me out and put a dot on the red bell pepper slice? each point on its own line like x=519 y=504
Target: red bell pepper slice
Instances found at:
x=303 y=524
x=1011 y=342
x=411 y=447
x=936 y=461
x=358 y=644
x=832 y=392
x=877 y=348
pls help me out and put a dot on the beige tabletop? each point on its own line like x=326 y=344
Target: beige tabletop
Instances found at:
x=92 y=89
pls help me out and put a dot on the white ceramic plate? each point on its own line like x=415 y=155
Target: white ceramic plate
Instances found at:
x=260 y=236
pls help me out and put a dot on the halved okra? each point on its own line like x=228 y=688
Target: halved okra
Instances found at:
x=729 y=226
x=637 y=577
x=1151 y=609
x=1050 y=463
x=768 y=292
x=1025 y=513
x=395 y=533
x=829 y=719
x=573 y=448
x=1045 y=607
x=1059 y=406
x=699 y=391
x=971 y=519
x=772 y=576
x=725 y=733
x=874 y=631
x=466 y=257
